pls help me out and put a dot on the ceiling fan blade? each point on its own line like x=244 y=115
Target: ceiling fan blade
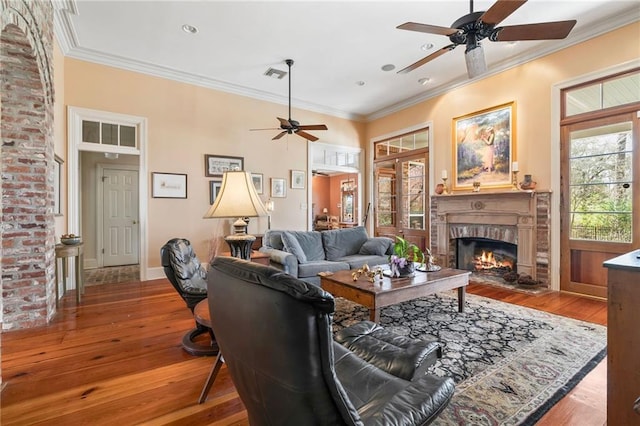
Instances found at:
x=306 y=135
x=539 y=31
x=500 y=10
x=425 y=28
x=424 y=60
x=285 y=124
x=270 y=128
x=313 y=127
x=279 y=135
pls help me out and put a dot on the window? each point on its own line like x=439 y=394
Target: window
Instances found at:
x=101 y=133
x=608 y=93
x=600 y=167
x=401 y=144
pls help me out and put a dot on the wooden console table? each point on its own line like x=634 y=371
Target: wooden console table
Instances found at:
x=63 y=252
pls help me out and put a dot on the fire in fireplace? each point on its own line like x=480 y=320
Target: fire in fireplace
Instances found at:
x=487 y=258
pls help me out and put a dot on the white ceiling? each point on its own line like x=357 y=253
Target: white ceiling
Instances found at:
x=334 y=45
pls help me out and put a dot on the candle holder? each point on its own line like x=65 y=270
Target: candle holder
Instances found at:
x=514 y=181
x=446 y=188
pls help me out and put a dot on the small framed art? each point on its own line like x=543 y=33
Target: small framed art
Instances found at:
x=214 y=190
x=216 y=165
x=297 y=179
x=168 y=185
x=57 y=179
x=278 y=188
x=257 y=182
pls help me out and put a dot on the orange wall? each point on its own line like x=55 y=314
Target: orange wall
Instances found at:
x=185 y=122
x=530 y=87
x=320 y=194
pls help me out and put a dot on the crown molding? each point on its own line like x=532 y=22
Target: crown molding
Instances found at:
x=68 y=40
x=603 y=27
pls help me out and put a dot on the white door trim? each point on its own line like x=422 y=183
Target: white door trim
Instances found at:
x=75 y=115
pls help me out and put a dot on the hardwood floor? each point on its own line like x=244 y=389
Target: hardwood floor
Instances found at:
x=117 y=359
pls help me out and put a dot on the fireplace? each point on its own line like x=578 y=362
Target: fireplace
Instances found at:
x=515 y=224
x=489 y=260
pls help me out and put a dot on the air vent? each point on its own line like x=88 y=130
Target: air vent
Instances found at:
x=274 y=73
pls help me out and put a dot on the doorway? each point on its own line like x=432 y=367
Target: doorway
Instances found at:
x=599 y=174
x=110 y=139
x=401 y=197
x=598 y=215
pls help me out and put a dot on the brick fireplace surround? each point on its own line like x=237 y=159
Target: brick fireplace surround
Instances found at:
x=518 y=217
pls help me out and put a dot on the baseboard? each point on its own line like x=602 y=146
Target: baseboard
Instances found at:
x=154 y=274
x=90 y=263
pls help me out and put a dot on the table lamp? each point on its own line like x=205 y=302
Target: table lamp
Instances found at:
x=237 y=199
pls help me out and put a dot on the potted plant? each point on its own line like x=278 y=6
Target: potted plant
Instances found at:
x=403 y=258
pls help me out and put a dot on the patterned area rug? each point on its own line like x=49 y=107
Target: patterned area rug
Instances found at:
x=112 y=274
x=511 y=364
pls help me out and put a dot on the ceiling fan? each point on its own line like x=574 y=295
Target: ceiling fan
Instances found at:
x=291 y=126
x=470 y=29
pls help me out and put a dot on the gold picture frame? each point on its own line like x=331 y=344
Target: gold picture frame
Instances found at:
x=484 y=148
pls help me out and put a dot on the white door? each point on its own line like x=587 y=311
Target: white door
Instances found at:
x=120 y=217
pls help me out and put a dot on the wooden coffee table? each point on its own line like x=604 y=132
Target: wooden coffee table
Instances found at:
x=380 y=293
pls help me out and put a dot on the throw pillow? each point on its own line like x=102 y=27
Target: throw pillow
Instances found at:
x=376 y=246
x=292 y=245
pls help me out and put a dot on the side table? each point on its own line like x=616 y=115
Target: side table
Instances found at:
x=256 y=256
x=63 y=252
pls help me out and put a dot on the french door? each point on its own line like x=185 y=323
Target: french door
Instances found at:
x=600 y=199
x=401 y=197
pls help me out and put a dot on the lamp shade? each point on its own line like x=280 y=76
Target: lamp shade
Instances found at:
x=237 y=198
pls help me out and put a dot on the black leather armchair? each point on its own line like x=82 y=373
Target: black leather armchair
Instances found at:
x=188 y=277
x=275 y=334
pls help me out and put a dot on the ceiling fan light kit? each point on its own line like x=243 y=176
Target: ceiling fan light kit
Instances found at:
x=290 y=126
x=470 y=29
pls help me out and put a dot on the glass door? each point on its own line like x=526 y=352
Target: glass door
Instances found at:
x=599 y=200
x=401 y=207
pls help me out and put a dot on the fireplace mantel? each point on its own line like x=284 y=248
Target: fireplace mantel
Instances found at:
x=517 y=217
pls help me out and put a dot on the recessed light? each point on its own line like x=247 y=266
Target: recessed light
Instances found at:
x=388 y=67
x=426 y=46
x=189 y=29
x=360 y=83
x=424 y=81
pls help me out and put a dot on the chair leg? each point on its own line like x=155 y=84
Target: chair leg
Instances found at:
x=212 y=378
x=199 y=349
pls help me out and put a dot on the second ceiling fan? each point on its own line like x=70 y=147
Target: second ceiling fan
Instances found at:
x=476 y=26
x=290 y=126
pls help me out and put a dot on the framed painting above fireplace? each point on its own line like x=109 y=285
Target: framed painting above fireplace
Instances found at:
x=484 y=148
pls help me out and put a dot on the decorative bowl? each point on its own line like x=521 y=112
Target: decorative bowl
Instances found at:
x=72 y=241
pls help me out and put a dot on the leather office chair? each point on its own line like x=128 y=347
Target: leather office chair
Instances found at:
x=275 y=334
x=188 y=277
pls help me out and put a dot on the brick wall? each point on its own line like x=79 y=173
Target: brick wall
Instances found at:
x=26 y=156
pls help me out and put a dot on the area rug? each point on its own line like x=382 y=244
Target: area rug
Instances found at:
x=511 y=364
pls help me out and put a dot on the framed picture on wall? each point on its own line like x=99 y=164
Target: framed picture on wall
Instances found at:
x=57 y=182
x=257 y=182
x=168 y=185
x=216 y=165
x=297 y=179
x=278 y=188
x=484 y=148
x=214 y=190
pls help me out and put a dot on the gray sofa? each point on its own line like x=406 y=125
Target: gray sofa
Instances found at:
x=305 y=253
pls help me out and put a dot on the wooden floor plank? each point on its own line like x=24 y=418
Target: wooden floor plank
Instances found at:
x=117 y=359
